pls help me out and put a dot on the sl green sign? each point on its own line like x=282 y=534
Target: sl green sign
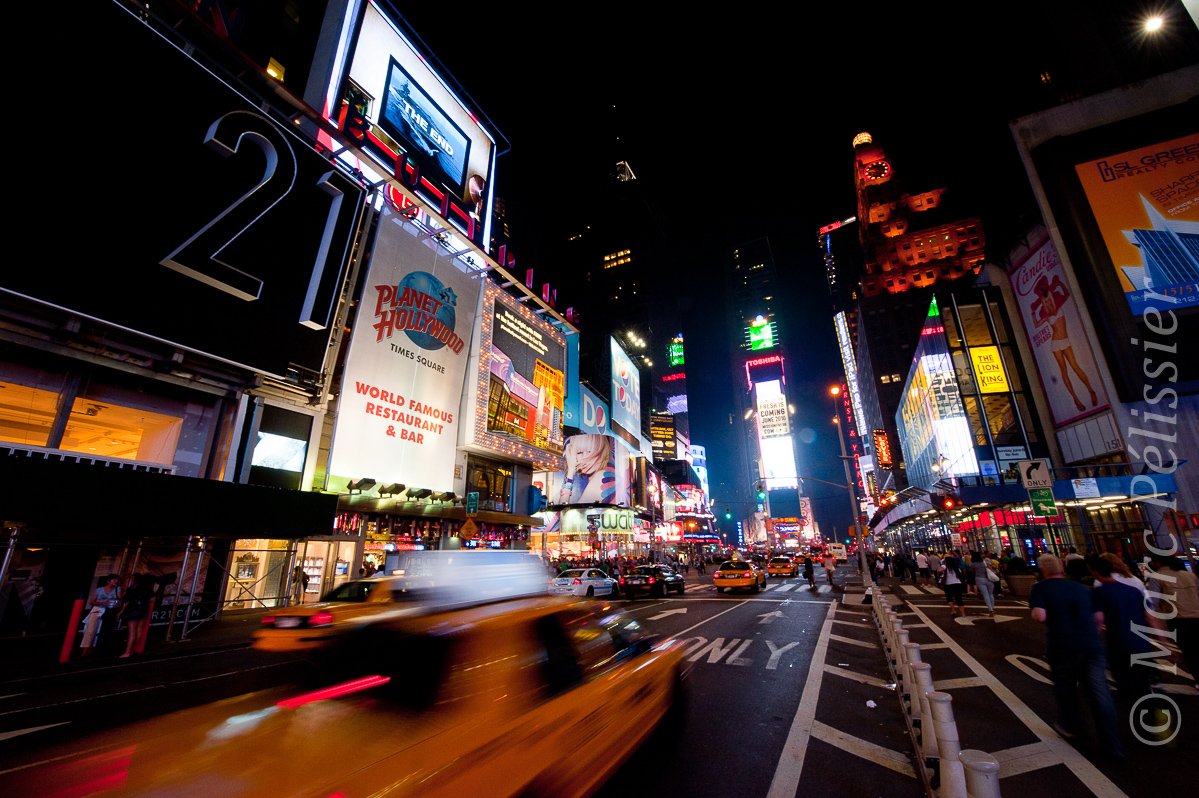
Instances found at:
x=472 y=504
x=1043 y=505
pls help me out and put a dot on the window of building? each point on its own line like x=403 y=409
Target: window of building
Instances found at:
x=884 y=379
x=104 y=429
x=26 y=413
x=493 y=483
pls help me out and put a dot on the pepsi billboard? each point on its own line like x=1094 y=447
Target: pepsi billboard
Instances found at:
x=626 y=396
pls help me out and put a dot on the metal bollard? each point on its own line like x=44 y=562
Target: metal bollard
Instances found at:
x=953 y=775
x=982 y=774
x=896 y=652
x=901 y=662
x=922 y=675
x=913 y=658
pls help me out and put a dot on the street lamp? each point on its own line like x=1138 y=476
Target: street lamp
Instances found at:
x=1154 y=23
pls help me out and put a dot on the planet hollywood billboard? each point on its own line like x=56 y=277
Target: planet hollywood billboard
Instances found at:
x=397 y=419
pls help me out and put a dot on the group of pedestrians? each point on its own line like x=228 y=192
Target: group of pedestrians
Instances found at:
x=109 y=605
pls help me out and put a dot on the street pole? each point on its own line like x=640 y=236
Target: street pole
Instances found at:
x=835 y=391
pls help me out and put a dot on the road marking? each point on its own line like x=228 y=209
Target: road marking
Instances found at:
x=1018 y=661
x=1079 y=765
x=715 y=650
x=970 y=619
x=736 y=659
x=11 y=695
x=668 y=613
x=777 y=653
x=1025 y=759
x=705 y=620
x=955 y=684
x=770 y=616
x=154 y=661
x=929 y=646
x=852 y=642
x=855 y=623
x=790 y=766
x=892 y=760
x=858 y=677
x=8 y=735
x=911 y=589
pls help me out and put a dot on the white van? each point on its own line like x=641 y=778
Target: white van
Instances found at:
x=838 y=551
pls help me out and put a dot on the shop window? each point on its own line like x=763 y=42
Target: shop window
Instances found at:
x=257 y=576
x=26 y=414
x=104 y=429
x=1001 y=418
x=281 y=448
x=976 y=421
x=974 y=325
x=492 y=482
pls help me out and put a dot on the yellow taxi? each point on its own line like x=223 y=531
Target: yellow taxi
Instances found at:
x=342 y=610
x=528 y=696
x=739 y=573
x=782 y=566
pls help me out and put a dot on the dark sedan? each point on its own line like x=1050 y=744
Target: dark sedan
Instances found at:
x=651 y=580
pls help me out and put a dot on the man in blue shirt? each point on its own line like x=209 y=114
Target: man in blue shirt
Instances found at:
x=1118 y=609
x=1074 y=652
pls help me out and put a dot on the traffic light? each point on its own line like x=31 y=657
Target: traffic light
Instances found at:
x=761 y=492
x=946 y=501
x=728 y=514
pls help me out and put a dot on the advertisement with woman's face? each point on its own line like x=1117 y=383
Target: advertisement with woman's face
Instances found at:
x=597 y=472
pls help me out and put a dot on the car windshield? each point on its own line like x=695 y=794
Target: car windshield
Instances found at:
x=357 y=590
x=735 y=566
x=569 y=574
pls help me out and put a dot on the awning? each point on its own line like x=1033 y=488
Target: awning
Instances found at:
x=358 y=503
x=94 y=503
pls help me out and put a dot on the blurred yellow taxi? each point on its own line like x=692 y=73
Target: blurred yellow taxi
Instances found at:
x=342 y=610
x=782 y=566
x=738 y=573
x=530 y=696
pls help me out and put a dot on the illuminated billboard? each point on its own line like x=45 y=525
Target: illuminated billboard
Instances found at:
x=931 y=419
x=849 y=362
x=989 y=373
x=1065 y=360
x=674 y=351
x=397 y=418
x=1146 y=204
x=774 y=439
x=761 y=334
x=662 y=437
x=626 y=395
x=391 y=101
x=598 y=471
x=517 y=393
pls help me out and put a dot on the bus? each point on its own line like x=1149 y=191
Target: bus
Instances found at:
x=838 y=551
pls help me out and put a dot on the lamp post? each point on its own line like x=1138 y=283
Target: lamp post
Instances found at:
x=835 y=391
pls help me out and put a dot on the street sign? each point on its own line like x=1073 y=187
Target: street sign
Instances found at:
x=1043 y=505
x=1035 y=474
x=469 y=529
x=472 y=505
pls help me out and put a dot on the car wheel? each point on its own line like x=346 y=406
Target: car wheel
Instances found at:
x=590 y=592
x=720 y=590
x=662 y=590
x=682 y=588
x=756 y=587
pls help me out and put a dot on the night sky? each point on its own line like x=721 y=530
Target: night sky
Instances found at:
x=740 y=120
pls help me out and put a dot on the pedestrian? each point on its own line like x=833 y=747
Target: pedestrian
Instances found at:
x=1074 y=653
x=1175 y=592
x=829 y=562
x=299 y=584
x=900 y=565
x=934 y=564
x=100 y=618
x=1118 y=609
x=135 y=611
x=1071 y=554
x=1122 y=573
x=983 y=580
x=922 y=564
x=809 y=571
x=952 y=582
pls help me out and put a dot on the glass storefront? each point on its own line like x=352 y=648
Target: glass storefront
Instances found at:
x=257 y=577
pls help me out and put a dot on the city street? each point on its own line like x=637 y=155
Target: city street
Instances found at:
x=778 y=698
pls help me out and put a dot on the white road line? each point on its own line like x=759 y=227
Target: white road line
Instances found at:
x=877 y=754
x=705 y=620
x=854 y=623
x=1079 y=765
x=852 y=642
x=128 y=664
x=1025 y=758
x=857 y=677
x=954 y=684
x=790 y=767
x=8 y=735
x=11 y=695
x=911 y=589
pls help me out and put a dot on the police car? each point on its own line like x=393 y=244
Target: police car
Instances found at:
x=582 y=582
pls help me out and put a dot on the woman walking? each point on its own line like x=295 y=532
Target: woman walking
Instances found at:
x=982 y=580
x=809 y=571
x=949 y=577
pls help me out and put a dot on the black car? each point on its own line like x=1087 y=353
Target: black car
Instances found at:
x=651 y=580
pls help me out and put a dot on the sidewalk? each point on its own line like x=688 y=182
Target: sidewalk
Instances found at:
x=37 y=655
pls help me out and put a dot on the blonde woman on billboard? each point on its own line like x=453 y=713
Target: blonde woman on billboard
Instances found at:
x=590 y=470
x=1052 y=298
